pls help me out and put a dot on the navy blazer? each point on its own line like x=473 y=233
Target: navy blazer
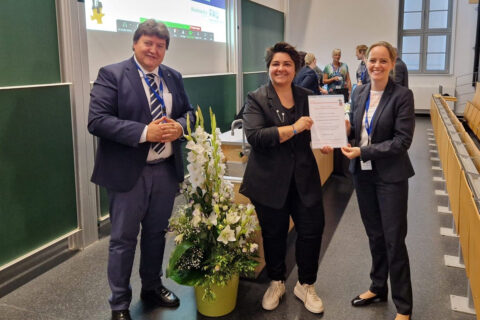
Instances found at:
x=119 y=111
x=401 y=73
x=271 y=164
x=392 y=132
x=307 y=78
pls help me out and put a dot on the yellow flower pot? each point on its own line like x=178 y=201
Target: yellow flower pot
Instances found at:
x=223 y=304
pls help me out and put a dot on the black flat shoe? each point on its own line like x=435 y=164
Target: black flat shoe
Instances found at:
x=161 y=297
x=121 y=315
x=359 y=302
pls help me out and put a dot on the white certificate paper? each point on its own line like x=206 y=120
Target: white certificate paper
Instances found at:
x=328 y=115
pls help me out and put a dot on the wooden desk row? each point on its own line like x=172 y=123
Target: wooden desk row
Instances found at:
x=460 y=160
x=472 y=112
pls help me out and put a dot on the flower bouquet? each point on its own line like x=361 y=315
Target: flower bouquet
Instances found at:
x=214 y=235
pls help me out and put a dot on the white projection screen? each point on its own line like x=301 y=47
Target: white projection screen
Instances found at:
x=197 y=32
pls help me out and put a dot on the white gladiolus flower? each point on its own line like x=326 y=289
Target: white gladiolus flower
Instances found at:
x=179 y=238
x=197 y=217
x=232 y=217
x=253 y=247
x=238 y=229
x=212 y=219
x=190 y=145
x=226 y=235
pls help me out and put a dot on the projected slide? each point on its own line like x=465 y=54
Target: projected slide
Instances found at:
x=188 y=19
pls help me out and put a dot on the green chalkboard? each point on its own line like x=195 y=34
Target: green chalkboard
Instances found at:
x=251 y=81
x=28 y=42
x=37 y=184
x=216 y=91
x=262 y=27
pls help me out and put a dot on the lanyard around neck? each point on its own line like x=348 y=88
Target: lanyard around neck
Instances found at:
x=158 y=96
x=368 y=126
x=337 y=70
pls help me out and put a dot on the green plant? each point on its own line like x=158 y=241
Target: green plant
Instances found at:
x=214 y=235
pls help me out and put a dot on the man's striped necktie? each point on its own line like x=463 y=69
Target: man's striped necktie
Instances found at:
x=156 y=107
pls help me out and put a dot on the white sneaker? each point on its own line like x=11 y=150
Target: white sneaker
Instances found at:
x=272 y=296
x=306 y=293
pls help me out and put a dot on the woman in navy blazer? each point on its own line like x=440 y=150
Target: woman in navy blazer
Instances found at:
x=307 y=77
x=282 y=178
x=382 y=128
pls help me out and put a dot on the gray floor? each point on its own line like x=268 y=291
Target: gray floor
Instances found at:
x=78 y=288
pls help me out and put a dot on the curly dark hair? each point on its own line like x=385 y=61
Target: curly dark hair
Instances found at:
x=285 y=48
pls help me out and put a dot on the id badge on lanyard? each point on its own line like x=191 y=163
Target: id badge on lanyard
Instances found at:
x=367 y=165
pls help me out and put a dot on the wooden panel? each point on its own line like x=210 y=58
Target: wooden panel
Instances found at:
x=324 y=163
x=466 y=208
x=474 y=256
x=453 y=185
x=472 y=117
x=475 y=120
x=233 y=153
x=476 y=97
x=467 y=113
x=443 y=148
x=458 y=125
x=472 y=149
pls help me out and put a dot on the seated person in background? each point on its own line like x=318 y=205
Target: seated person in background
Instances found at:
x=337 y=77
x=362 y=74
x=307 y=77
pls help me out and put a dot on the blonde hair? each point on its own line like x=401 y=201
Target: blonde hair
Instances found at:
x=309 y=58
x=391 y=50
x=335 y=51
x=361 y=48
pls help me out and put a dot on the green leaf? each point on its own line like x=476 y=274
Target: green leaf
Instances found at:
x=177 y=253
x=189 y=130
x=200 y=116
x=184 y=277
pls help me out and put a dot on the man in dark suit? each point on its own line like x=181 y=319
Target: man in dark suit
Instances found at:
x=401 y=72
x=139 y=109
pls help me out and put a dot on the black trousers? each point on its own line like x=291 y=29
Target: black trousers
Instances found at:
x=383 y=208
x=309 y=224
x=343 y=91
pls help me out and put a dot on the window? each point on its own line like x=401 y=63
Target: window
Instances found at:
x=424 y=35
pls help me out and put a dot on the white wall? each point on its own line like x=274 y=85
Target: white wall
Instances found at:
x=274 y=4
x=319 y=26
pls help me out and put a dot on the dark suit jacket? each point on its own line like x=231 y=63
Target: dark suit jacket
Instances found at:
x=401 y=73
x=119 y=111
x=307 y=78
x=392 y=132
x=271 y=164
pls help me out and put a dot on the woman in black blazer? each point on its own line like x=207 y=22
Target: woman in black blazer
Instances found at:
x=282 y=178
x=382 y=128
